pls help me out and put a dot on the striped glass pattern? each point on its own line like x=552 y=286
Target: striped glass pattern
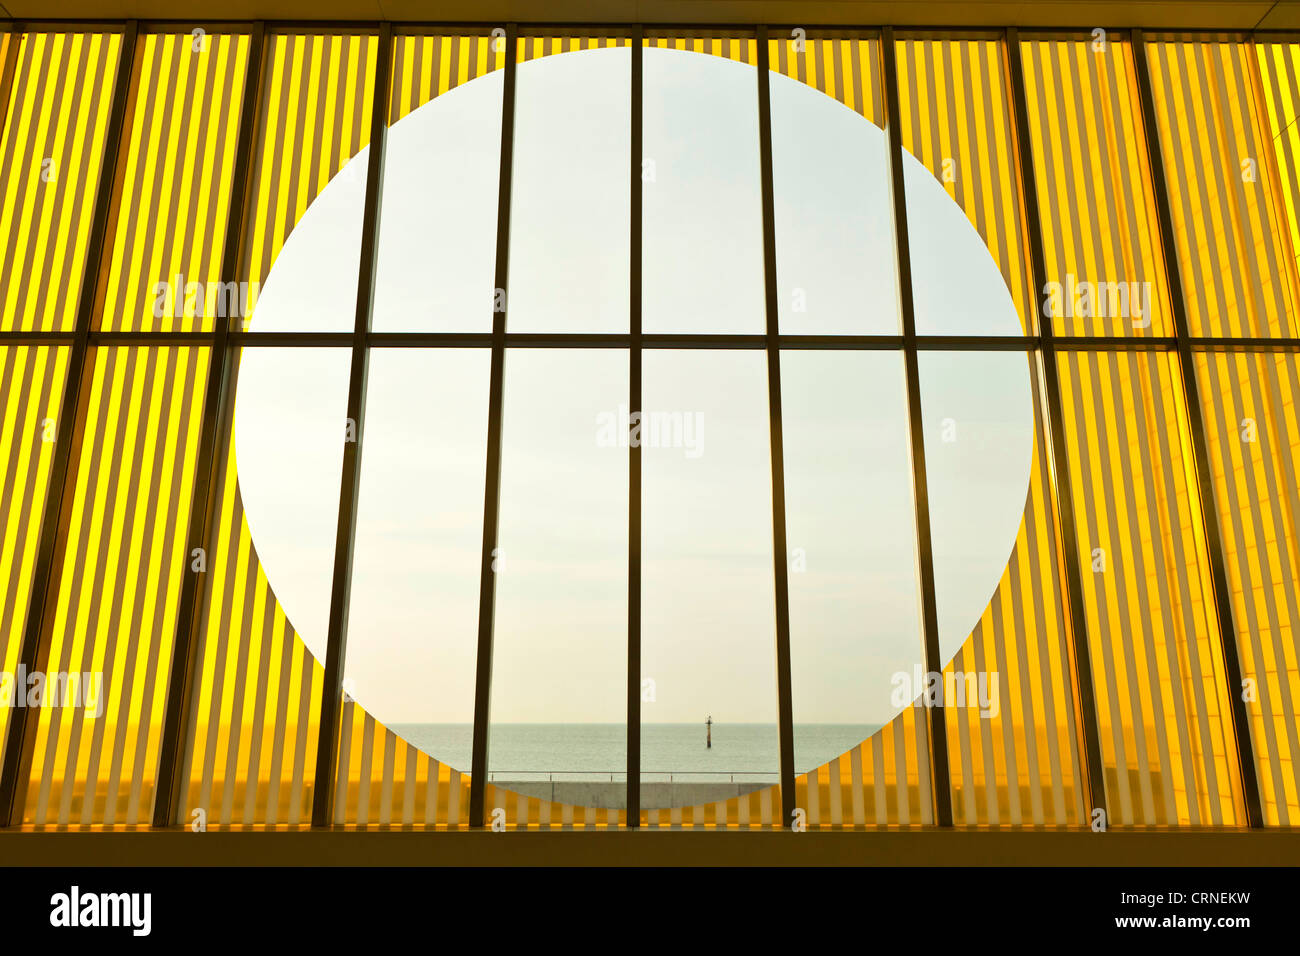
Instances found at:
x=51 y=156
x=1251 y=423
x=384 y=780
x=714 y=42
x=314 y=117
x=31 y=381
x=1162 y=711
x=1230 y=230
x=955 y=117
x=884 y=780
x=1100 y=236
x=164 y=274
x=536 y=47
x=1019 y=765
x=118 y=584
x=1279 y=67
x=429 y=66
x=845 y=68
x=251 y=750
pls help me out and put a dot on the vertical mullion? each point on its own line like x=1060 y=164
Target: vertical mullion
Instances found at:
x=350 y=485
x=1045 y=354
x=1200 y=455
x=492 y=480
x=203 y=502
x=7 y=69
x=41 y=608
x=934 y=714
x=634 y=453
x=780 y=566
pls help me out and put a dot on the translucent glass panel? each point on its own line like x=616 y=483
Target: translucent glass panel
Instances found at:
x=117 y=587
x=854 y=596
x=413 y=623
x=1222 y=183
x=570 y=196
x=174 y=201
x=1279 y=101
x=702 y=212
x=1101 y=240
x=51 y=155
x=1254 y=444
x=559 y=669
x=884 y=780
x=834 y=221
x=708 y=626
x=438 y=224
x=956 y=120
x=1010 y=711
x=305 y=218
x=31 y=381
x=251 y=751
x=1166 y=737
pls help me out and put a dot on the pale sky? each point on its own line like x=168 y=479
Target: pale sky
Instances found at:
x=708 y=631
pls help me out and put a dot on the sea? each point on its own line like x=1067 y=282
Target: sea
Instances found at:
x=741 y=753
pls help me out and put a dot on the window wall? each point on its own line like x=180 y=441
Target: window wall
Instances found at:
x=619 y=427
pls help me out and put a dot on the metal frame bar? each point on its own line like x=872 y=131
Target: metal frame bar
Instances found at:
x=37 y=631
x=1084 y=692
x=664 y=340
x=15 y=32
x=492 y=480
x=941 y=786
x=780 y=548
x=322 y=813
x=203 y=502
x=1200 y=445
x=633 y=799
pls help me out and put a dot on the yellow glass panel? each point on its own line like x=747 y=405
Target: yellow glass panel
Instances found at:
x=118 y=586
x=51 y=156
x=1016 y=760
x=1166 y=738
x=1228 y=223
x=314 y=117
x=955 y=118
x=173 y=204
x=1254 y=448
x=1101 y=242
x=1279 y=97
x=429 y=66
x=31 y=381
x=844 y=67
x=251 y=754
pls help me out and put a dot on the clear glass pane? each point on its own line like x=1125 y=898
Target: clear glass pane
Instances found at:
x=834 y=219
x=559 y=676
x=413 y=625
x=570 y=196
x=854 y=597
x=708 y=626
x=702 y=215
x=438 y=223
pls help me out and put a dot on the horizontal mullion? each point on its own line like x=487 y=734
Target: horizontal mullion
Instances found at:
x=622 y=340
